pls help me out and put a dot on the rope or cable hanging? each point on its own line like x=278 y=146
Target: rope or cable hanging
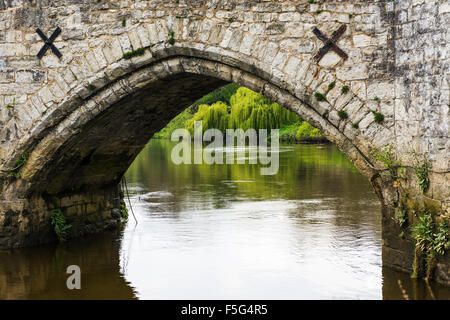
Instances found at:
x=124 y=182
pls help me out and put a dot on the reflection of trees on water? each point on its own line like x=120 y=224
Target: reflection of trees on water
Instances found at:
x=306 y=172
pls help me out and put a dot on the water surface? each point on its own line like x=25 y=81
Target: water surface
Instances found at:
x=312 y=231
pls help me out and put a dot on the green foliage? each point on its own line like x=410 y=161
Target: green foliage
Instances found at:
x=214 y=116
x=350 y=15
x=400 y=217
x=15 y=171
x=318 y=11
x=386 y=156
x=171 y=39
x=429 y=244
x=252 y=110
x=343 y=114
x=378 y=117
x=247 y=109
x=223 y=94
x=124 y=22
x=345 y=89
x=311 y=1
x=319 y=96
x=441 y=240
x=123 y=211
x=230 y=20
x=421 y=169
x=288 y=132
x=376 y=99
x=134 y=53
x=355 y=125
x=331 y=85
x=59 y=224
x=308 y=131
x=232 y=107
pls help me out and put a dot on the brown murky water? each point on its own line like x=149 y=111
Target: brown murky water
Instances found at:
x=312 y=231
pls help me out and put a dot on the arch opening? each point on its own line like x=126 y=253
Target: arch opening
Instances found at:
x=78 y=162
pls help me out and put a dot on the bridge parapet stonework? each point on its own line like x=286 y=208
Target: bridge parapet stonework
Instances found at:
x=398 y=65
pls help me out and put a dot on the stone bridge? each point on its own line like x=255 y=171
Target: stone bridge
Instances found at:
x=71 y=126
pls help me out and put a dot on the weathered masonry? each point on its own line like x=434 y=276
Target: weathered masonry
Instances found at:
x=70 y=126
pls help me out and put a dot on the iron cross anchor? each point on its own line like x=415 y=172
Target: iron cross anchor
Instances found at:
x=330 y=43
x=49 y=43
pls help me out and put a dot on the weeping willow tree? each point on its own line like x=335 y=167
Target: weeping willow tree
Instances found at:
x=252 y=110
x=247 y=109
x=215 y=116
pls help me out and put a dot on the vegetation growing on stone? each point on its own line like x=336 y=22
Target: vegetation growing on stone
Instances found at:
x=386 y=156
x=421 y=168
x=345 y=89
x=15 y=171
x=171 y=39
x=431 y=242
x=58 y=222
x=319 y=96
x=355 y=125
x=343 y=114
x=134 y=53
x=123 y=211
x=378 y=117
x=400 y=217
x=331 y=85
x=124 y=22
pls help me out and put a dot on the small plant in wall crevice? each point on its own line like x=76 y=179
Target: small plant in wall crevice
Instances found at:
x=15 y=171
x=319 y=96
x=400 y=217
x=386 y=156
x=343 y=114
x=345 y=89
x=421 y=168
x=123 y=211
x=378 y=117
x=171 y=39
x=133 y=53
x=59 y=224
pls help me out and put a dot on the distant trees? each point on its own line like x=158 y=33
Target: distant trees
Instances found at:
x=234 y=107
x=247 y=109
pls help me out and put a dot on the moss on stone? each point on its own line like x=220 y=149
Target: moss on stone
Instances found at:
x=134 y=53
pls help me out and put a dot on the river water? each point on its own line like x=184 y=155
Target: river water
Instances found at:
x=312 y=231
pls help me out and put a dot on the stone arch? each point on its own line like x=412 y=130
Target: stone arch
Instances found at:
x=78 y=153
x=73 y=114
